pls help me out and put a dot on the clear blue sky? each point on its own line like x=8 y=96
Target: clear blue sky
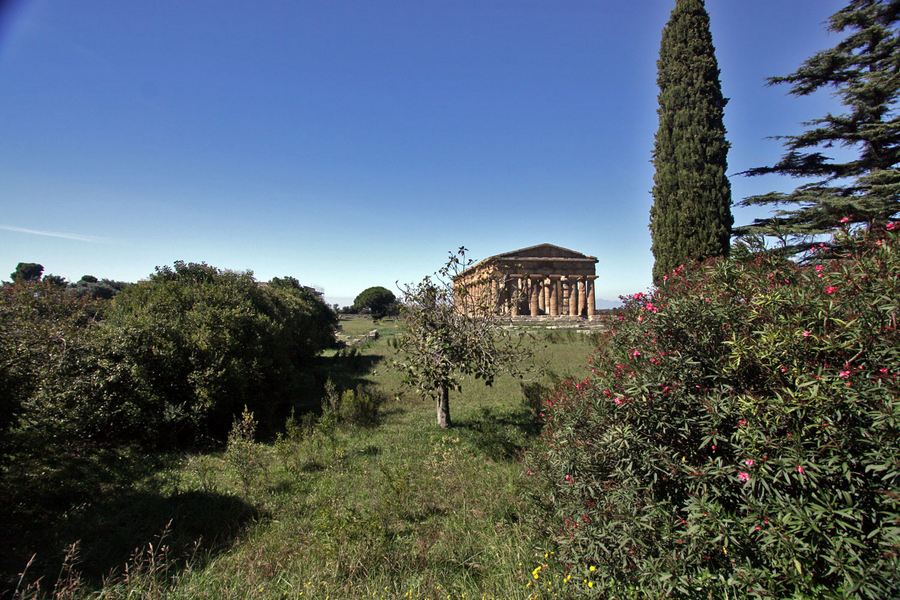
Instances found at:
x=352 y=144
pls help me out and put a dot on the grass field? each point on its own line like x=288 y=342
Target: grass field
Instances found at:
x=397 y=509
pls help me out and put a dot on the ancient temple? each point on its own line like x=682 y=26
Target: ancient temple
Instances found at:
x=534 y=281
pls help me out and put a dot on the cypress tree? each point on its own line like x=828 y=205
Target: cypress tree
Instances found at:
x=691 y=214
x=863 y=69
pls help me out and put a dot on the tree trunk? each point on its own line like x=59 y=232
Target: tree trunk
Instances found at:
x=443 y=408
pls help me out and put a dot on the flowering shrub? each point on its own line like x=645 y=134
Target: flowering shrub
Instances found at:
x=738 y=435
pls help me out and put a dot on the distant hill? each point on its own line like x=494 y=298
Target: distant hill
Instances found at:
x=603 y=304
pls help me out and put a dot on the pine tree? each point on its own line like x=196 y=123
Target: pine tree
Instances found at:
x=691 y=214
x=864 y=71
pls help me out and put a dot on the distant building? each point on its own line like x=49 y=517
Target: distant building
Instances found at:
x=534 y=281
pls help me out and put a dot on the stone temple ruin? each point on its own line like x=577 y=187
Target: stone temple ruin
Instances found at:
x=542 y=280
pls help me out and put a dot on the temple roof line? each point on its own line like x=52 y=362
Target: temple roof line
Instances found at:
x=536 y=253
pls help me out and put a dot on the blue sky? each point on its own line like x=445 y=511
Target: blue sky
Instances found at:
x=353 y=143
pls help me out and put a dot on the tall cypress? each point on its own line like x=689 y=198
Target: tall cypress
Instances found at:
x=863 y=70
x=691 y=214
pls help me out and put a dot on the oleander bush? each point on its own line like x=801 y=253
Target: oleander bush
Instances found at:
x=738 y=435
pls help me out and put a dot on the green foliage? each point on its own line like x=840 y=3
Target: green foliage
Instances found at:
x=242 y=453
x=862 y=69
x=691 y=214
x=379 y=301
x=57 y=280
x=175 y=358
x=41 y=327
x=442 y=342
x=738 y=435
x=104 y=289
x=204 y=342
x=27 y=272
x=358 y=406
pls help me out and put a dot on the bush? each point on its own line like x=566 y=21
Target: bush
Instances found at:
x=359 y=406
x=205 y=342
x=174 y=359
x=737 y=436
x=241 y=452
x=40 y=327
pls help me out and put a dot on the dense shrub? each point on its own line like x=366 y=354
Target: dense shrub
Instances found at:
x=39 y=324
x=174 y=359
x=738 y=436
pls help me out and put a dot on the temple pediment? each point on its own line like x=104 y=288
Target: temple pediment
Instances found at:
x=544 y=251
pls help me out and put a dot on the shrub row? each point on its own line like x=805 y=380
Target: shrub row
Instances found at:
x=737 y=436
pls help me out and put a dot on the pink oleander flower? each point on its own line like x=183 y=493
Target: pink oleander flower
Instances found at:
x=742 y=422
x=844 y=374
x=749 y=462
x=845 y=220
x=568 y=478
x=800 y=469
x=806 y=333
x=830 y=290
x=635 y=353
x=618 y=401
x=890 y=226
x=744 y=476
x=651 y=307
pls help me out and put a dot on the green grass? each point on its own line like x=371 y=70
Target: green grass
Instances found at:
x=401 y=509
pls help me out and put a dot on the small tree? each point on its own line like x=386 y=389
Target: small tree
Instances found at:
x=446 y=337
x=378 y=300
x=27 y=272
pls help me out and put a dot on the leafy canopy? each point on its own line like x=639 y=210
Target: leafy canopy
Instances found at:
x=447 y=337
x=378 y=300
x=862 y=71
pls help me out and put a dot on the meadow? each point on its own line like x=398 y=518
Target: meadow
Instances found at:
x=393 y=508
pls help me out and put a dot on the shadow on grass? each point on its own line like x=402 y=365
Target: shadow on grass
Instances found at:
x=346 y=372
x=500 y=434
x=95 y=500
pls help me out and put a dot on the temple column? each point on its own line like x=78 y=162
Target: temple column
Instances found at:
x=554 y=295
x=546 y=283
x=534 y=293
x=542 y=295
x=564 y=297
x=494 y=300
x=515 y=295
x=573 y=296
x=591 y=298
x=582 y=296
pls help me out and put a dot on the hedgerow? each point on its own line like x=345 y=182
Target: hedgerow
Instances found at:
x=737 y=436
